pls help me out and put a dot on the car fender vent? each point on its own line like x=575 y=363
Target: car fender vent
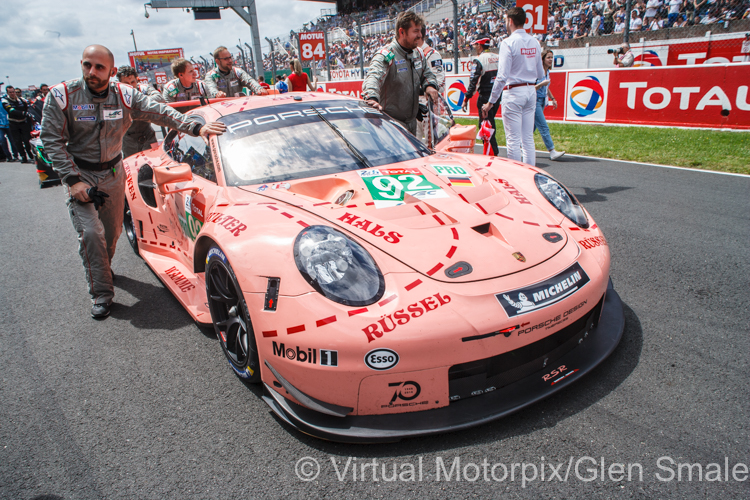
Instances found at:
x=482 y=228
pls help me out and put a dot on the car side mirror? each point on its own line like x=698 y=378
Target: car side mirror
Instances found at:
x=172 y=175
x=463 y=133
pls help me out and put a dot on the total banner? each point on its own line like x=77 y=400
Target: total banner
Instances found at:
x=711 y=96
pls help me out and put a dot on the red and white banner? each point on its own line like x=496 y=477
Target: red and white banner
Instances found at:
x=145 y=60
x=312 y=45
x=711 y=96
x=536 y=15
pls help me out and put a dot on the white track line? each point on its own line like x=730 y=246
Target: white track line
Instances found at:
x=647 y=164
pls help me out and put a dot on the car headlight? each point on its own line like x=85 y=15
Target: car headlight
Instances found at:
x=562 y=199
x=338 y=267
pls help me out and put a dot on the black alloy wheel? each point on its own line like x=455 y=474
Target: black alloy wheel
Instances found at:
x=129 y=226
x=230 y=317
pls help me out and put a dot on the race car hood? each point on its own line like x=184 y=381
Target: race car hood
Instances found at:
x=444 y=216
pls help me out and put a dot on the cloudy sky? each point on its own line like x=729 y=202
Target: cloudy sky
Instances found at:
x=42 y=41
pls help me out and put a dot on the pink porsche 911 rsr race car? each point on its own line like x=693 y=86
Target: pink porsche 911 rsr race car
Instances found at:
x=377 y=288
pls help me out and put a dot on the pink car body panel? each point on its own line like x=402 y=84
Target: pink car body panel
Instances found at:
x=495 y=221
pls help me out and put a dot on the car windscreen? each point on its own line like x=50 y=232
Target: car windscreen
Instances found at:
x=291 y=141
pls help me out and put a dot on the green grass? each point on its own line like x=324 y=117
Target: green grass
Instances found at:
x=718 y=150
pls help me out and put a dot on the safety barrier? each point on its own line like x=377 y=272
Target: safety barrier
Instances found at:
x=710 y=96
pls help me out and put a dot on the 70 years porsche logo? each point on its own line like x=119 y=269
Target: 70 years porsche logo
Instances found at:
x=544 y=294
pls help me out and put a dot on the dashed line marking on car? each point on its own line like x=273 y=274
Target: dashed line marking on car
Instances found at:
x=303 y=224
x=324 y=203
x=574 y=228
x=505 y=216
x=435 y=269
x=412 y=285
x=295 y=329
x=270 y=333
x=438 y=219
x=451 y=251
x=554 y=225
x=287 y=215
x=455 y=233
x=325 y=321
x=386 y=301
x=530 y=223
x=419 y=209
x=357 y=311
x=272 y=207
x=482 y=209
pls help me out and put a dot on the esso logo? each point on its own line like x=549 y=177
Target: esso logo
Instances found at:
x=381 y=359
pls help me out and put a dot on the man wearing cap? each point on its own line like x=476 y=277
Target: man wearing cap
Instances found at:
x=483 y=76
x=519 y=66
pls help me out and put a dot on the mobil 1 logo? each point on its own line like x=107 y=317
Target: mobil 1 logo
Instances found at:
x=544 y=294
x=308 y=355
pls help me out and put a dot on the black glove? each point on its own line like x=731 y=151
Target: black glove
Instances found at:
x=97 y=197
x=422 y=112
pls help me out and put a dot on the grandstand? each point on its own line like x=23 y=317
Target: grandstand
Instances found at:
x=571 y=24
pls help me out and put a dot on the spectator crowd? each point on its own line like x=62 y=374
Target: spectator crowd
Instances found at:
x=566 y=21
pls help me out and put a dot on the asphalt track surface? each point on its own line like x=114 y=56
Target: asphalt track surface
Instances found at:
x=144 y=405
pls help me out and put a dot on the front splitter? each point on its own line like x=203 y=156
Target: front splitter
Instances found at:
x=462 y=414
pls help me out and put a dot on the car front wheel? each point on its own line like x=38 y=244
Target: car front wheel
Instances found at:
x=129 y=226
x=230 y=317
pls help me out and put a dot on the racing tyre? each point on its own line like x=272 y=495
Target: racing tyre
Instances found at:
x=129 y=226
x=230 y=317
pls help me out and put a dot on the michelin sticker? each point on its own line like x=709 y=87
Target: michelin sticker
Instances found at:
x=544 y=294
x=388 y=186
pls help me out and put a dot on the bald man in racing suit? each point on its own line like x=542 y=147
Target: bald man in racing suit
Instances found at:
x=483 y=75
x=398 y=72
x=140 y=136
x=83 y=125
x=226 y=80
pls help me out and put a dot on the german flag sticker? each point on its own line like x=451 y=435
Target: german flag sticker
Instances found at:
x=461 y=181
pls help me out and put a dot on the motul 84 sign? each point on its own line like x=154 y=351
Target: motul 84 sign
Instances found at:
x=312 y=45
x=536 y=15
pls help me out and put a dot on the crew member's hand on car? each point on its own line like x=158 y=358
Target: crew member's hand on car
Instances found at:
x=78 y=191
x=215 y=128
x=432 y=93
x=221 y=94
x=374 y=104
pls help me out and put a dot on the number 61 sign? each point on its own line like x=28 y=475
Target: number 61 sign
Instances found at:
x=536 y=15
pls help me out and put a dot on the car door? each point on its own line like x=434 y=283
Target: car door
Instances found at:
x=188 y=206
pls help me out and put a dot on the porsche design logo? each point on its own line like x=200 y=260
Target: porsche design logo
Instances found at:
x=519 y=256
